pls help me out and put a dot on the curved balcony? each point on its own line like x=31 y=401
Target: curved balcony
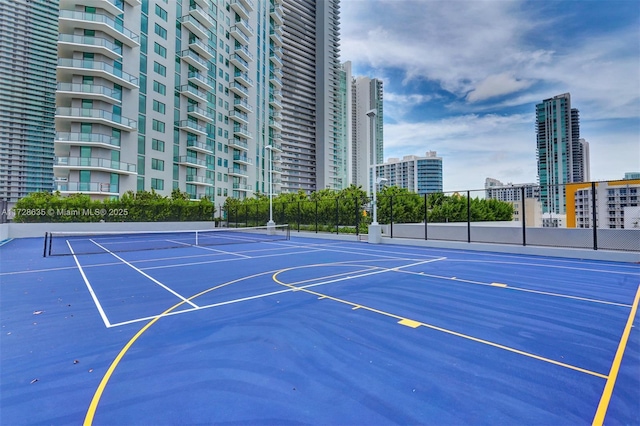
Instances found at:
x=242 y=187
x=240 y=36
x=201 y=15
x=238 y=171
x=110 y=6
x=248 y=4
x=275 y=102
x=191 y=127
x=69 y=20
x=275 y=81
x=276 y=37
x=239 y=62
x=242 y=131
x=276 y=93
x=275 y=124
x=194 y=145
x=88 y=91
x=239 y=144
x=99 y=164
x=185 y=160
x=97 y=69
x=193 y=93
x=239 y=117
x=242 y=105
x=86 y=115
x=201 y=81
x=276 y=13
x=243 y=51
x=201 y=49
x=242 y=159
x=193 y=59
x=200 y=180
x=89 y=188
x=275 y=58
x=199 y=113
x=239 y=89
x=244 y=26
x=196 y=28
x=243 y=78
x=69 y=43
x=87 y=139
x=239 y=8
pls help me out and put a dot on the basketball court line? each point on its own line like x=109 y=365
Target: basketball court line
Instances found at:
x=211 y=249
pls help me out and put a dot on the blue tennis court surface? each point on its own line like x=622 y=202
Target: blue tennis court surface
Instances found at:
x=312 y=331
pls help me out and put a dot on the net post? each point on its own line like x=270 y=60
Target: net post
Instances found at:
x=197 y=238
x=44 y=250
x=50 y=243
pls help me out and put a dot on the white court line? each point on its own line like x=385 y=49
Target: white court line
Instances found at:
x=542 y=265
x=91 y=292
x=146 y=275
x=288 y=290
x=526 y=290
x=212 y=249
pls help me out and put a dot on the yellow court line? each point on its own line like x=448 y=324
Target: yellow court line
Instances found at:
x=615 y=367
x=415 y=324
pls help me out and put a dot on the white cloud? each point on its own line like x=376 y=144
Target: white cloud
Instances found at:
x=497 y=85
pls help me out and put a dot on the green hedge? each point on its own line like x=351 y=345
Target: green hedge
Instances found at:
x=131 y=207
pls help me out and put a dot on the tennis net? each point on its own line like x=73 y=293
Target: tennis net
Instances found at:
x=70 y=243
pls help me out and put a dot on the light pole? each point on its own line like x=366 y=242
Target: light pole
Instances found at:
x=379 y=181
x=271 y=223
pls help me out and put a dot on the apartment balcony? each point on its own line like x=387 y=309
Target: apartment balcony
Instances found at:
x=242 y=132
x=239 y=62
x=275 y=81
x=70 y=20
x=86 y=115
x=87 y=139
x=194 y=145
x=193 y=59
x=199 y=113
x=202 y=3
x=200 y=180
x=276 y=71
x=69 y=43
x=242 y=187
x=237 y=171
x=89 y=188
x=276 y=37
x=276 y=147
x=201 y=15
x=276 y=93
x=243 y=78
x=276 y=13
x=88 y=91
x=239 y=89
x=110 y=6
x=248 y=4
x=244 y=26
x=191 y=127
x=242 y=159
x=275 y=102
x=193 y=93
x=196 y=28
x=275 y=124
x=240 y=36
x=185 y=160
x=133 y=3
x=239 y=117
x=242 y=105
x=98 y=164
x=201 y=49
x=275 y=58
x=276 y=169
x=201 y=81
x=243 y=52
x=238 y=144
x=239 y=8
x=70 y=67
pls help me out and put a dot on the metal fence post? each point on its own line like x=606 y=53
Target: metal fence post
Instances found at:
x=337 y=216
x=316 y=216
x=523 y=217
x=391 y=215
x=355 y=205
x=594 y=215
x=426 y=216
x=468 y=216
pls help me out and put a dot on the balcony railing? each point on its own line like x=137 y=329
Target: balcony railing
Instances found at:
x=130 y=36
x=87 y=138
x=91 y=41
x=88 y=64
x=81 y=114
x=97 y=187
x=91 y=162
x=90 y=89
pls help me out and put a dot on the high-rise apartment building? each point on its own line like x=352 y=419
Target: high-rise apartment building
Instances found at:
x=27 y=96
x=310 y=86
x=342 y=151
x=367 y=130
x=422 y=175
x=562 y=156
x=496 y=190
x=163 y=95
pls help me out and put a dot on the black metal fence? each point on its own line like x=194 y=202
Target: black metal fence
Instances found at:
x=517 y=215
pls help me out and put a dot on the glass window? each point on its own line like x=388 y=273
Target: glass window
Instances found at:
x=161 y=31
x=157 y=145
x=160 y=50
x=159 y=106
x=160 y=69
x=158 y=126
x=157 y=184
x=157 y=164
x=159 y=87
x=161 y=12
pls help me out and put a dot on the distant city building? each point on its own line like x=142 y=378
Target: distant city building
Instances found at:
x=532 y=212
x=27 y=96
x=422 y=175
x=342 y=152
x=367 y=118
x=561 y=155
x=616 y=204
x=494 y=189
x=632 y=175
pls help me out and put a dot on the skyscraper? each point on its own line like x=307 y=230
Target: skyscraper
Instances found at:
x=310 y=92
x=27 y=96
x=562 y=156
x=422 y=175
x=367 y=118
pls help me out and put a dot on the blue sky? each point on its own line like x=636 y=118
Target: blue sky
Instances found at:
x=462 y=78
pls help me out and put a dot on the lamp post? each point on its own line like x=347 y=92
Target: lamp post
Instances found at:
x=271 y=223
x=379 y=181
